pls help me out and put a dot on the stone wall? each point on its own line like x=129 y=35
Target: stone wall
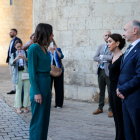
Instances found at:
x=19 y=16
x=79 y=26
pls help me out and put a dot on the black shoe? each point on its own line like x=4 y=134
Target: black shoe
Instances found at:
x=55 y=106
x=12 y=92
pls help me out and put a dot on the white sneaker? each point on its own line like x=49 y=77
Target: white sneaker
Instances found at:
x=58 y=107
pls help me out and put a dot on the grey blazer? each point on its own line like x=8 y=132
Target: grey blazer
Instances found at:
x=15 y=70
x=108 y=57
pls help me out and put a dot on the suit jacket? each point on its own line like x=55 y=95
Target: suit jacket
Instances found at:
x=108 y=57
x=13 y=49
x=129 y=79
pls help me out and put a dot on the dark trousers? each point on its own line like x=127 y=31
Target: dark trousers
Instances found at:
x=131 y=117
x=103 y=80
x=116 y=106
x=59 y=89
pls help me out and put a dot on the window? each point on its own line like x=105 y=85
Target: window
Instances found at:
x=11 y=2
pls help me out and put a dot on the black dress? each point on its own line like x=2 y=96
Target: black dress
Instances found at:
x=115 y=101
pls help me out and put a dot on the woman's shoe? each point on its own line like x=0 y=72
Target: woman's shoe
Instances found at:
x=26 y=111
x=19 y=111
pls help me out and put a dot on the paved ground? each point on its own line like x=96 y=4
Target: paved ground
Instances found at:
x=12 y=126
x=74 y=121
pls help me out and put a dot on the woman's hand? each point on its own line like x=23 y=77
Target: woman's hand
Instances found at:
x=18 y=57
x=49 y=49
x=38 y=98
x=54 y=48
x=23 y=57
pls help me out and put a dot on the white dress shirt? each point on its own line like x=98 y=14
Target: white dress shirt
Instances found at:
x=101 y=57
x=11 y=44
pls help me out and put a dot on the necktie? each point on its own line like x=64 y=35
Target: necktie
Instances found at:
x=127 y=51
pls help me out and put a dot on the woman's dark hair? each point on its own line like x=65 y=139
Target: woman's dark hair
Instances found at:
x=18 y=41
x=117 y=37
x=54 y=43
x=32 y=35
x=42 y=34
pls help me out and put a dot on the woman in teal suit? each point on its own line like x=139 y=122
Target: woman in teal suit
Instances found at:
x=39 y=66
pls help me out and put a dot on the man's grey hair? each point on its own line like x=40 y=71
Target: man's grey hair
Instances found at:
x=136 y=23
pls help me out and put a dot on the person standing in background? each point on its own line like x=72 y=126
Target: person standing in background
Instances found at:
x=29 y=43
x=25 y=47
x=103 y=56
x=115 y=44
x=19 y=61
x=56 y=55
x=39 y=67
x=12 y=49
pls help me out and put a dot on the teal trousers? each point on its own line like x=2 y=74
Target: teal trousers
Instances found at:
x=41 y=113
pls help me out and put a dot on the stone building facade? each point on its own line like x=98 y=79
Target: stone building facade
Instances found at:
x=18 y=15
x=78 y=27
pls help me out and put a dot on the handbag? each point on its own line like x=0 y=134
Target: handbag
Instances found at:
x=55 y=71
x=25 y=76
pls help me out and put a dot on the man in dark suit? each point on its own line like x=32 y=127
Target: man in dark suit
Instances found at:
x=129 y=82
x=12 y=49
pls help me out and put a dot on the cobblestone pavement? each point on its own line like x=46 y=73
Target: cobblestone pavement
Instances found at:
x=74 y=121
x=12 y=126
